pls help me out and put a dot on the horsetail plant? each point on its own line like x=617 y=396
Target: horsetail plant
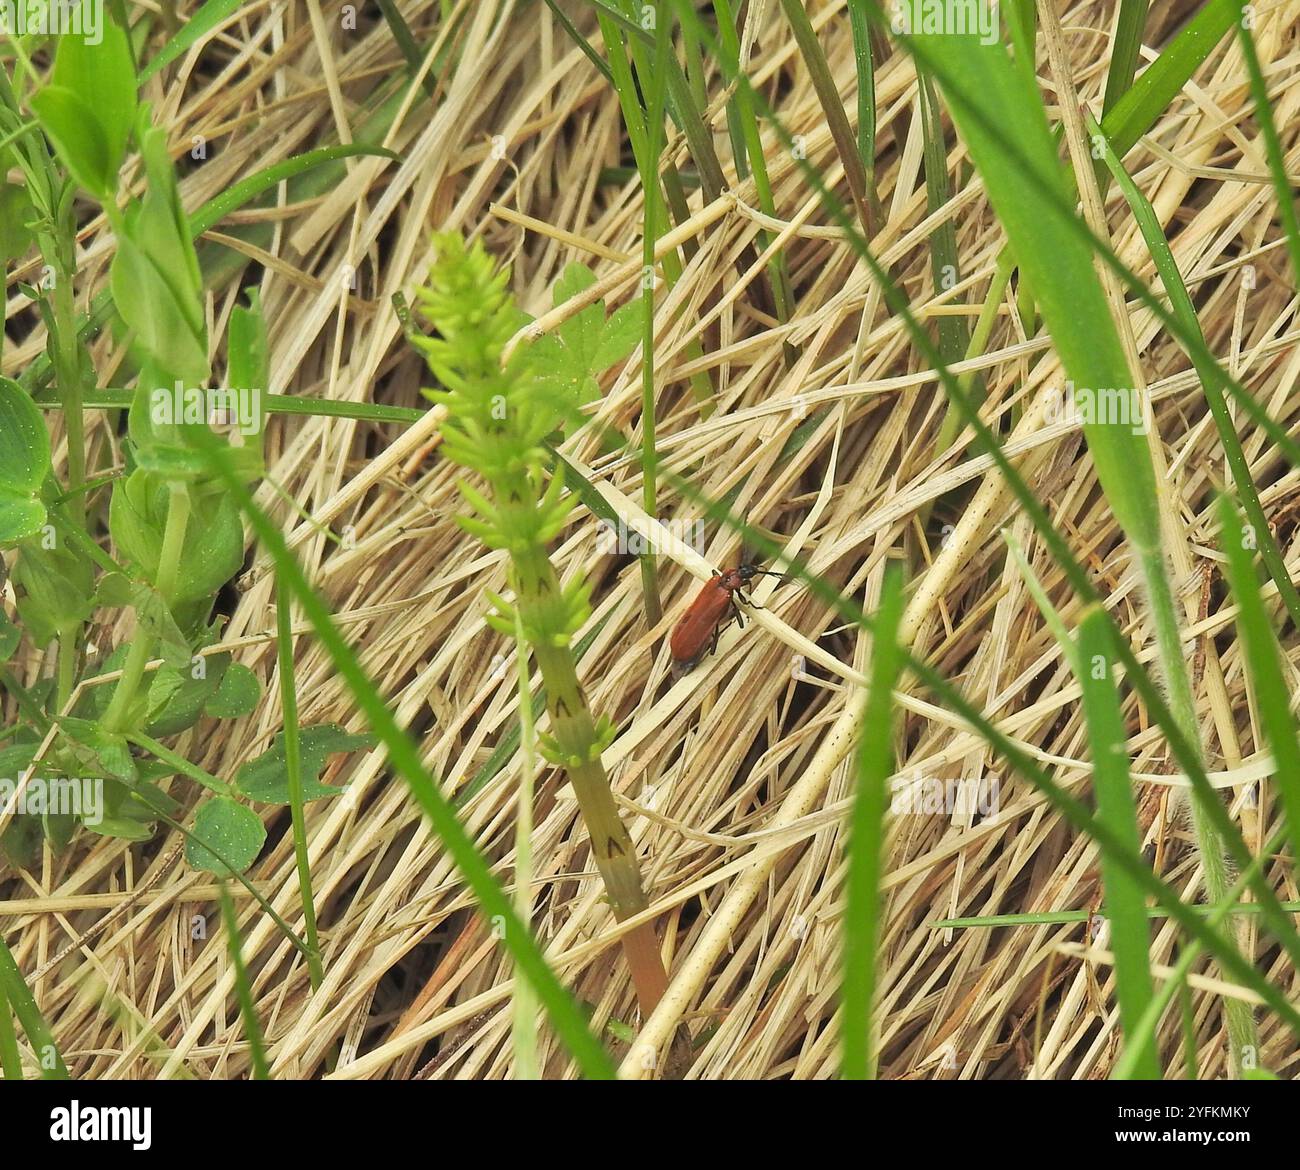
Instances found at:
x=500 y=415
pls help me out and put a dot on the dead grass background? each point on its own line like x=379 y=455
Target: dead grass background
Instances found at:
x=734 y=779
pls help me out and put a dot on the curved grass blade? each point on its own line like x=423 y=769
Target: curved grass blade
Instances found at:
x=1124 y=1067
x=1272 y=143
x=206 y=20
x=234 y=197
x=293 y=773
x=1124 y=52
x=1136 y=111
x=11 y=1062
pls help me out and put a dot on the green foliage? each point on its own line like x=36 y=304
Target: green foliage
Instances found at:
x=237 y=694
x=234 y=831
x=176 y=533
x=24 y=464
x=55 y=589
x=266 y=778
x=568 y=361
x=15 y=211
x=213 y=550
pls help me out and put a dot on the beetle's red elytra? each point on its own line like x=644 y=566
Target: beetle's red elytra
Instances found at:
x=699 y=627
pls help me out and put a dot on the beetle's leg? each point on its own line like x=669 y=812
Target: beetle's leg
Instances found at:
x=745 y=599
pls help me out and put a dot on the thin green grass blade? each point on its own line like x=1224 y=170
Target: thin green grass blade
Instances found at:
x=750 y=152
x=235 y=196
x=523 y=1024
x=1065 y=917
x=1122 y=900
x=1190 y=1060
x=654 y=220
x=865 y=65
x=588 y=50
x=293 y=774
x=1272 y=143
x=945 y=262
x=1124 y=1067
x=1059 y=264
x=29 y=1016
x=1183 y=308
x=110 y=399
x=875 y=764
x=1272 y=695
x=11 y=1062
x=208 y=18
x=828 y=96
x=1136 y=111
x=1124 y=52
x=243 y=987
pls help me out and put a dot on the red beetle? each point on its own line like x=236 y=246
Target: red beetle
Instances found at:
x=702 y=622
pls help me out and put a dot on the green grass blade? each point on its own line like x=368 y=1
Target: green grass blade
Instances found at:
x=235 y=196
x=1058 y=263
x=1272 y=694
x=243 y=988
x=1064 y=917
x=1189 y=1031
x=1123 y=900
x=588 y=50
x=110 y=399
x=1125 y=1066
x=1272 y=143
x=1124 y=52
x=1137 y=110
x=875 y=764
x=293 y=774
x=945 y=261
x=29 y=1016
x=1183 y=308
x=209 y=17
x=865 y=65
x=11 y=1062
x=828 y=96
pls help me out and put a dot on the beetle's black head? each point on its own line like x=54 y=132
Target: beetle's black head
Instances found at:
x=747 y=571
